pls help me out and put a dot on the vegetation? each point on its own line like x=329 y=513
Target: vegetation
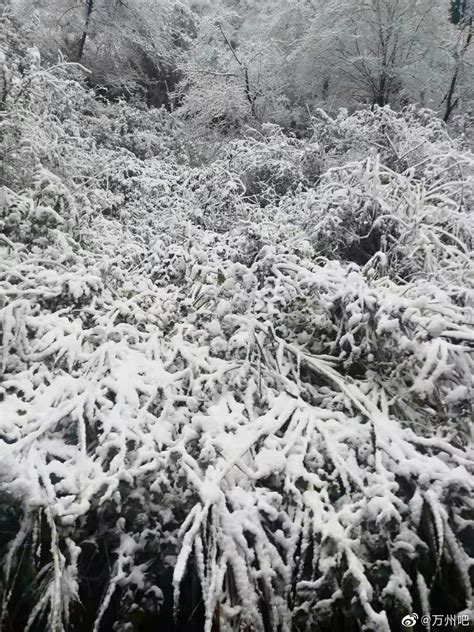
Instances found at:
x=236 y=332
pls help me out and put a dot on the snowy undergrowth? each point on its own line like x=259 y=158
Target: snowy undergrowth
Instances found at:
x=257 y=372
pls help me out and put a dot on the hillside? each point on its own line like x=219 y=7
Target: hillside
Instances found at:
x=237 y=377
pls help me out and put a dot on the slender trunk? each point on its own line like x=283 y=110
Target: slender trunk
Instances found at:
x=382 y=92
x=248 y=94
x=251 y=98
x=82 y=42
x=451 y=100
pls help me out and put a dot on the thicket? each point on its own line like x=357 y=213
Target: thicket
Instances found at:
x=236 y=392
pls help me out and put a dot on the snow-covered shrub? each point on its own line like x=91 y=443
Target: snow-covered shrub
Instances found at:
x=225 y=411
x=273 y=164
x=417 y=142
x=364 y=210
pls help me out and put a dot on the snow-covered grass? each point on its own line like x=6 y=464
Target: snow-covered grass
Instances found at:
x=256 y=372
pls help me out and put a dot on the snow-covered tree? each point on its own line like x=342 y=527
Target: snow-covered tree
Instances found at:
x=379 y=51
x=126 y=45
x=273 y=61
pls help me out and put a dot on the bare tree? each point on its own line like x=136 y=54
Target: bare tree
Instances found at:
x=251 y=98
x=382 y=40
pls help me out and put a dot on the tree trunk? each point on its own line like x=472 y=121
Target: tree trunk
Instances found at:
x=82 y=42
x=451 y=100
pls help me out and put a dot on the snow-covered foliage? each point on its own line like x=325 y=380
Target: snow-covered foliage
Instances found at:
x=239 y=391
x=274 y=60
x=128 y=47
x=229 y=79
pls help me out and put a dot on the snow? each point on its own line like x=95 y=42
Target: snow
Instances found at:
x=217 y=384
